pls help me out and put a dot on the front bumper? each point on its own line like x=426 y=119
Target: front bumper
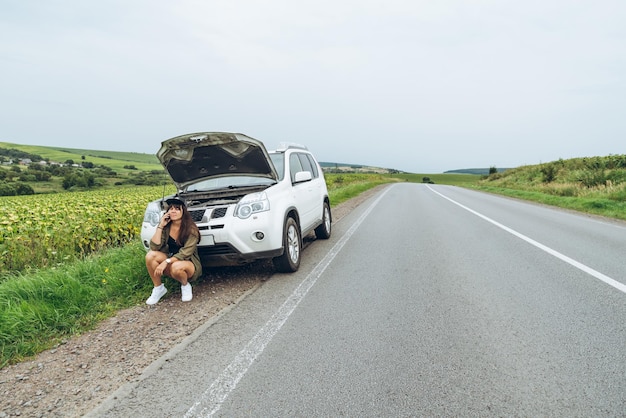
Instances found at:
x=228 y=240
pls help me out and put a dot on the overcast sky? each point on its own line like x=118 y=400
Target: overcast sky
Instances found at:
x=418 y=85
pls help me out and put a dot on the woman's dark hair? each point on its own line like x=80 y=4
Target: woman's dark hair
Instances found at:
x=187 y=226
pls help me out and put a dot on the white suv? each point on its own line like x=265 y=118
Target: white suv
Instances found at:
x=248 y=204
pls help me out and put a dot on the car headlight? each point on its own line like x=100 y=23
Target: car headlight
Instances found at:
x=252 y=203
x=153 y=214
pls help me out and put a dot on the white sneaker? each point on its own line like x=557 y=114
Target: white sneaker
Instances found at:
x=157 y=294
x=186 y=291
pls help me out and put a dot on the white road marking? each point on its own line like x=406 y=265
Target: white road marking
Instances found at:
x=606 y=279
x=212 y=399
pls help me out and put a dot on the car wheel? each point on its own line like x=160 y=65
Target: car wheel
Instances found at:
x=323 y=231
x=290 y=260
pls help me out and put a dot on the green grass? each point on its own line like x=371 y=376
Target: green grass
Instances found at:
x=41 y=308
x=610 y=208
x=342 y=187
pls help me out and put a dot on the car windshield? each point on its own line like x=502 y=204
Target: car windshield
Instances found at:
x=278 y=158
x=228 y=182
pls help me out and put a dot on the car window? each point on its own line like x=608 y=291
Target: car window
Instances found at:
x=313 y=166
x=279 y=164
x=306 y=163
x=294 y=166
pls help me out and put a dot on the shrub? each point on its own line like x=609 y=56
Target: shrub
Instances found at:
x=7 y=189
x=549 y=172
x=79 y=179
x=23 y=189
x=16 y=189
x=616 y=176
x=27 y=177
x=592 y=178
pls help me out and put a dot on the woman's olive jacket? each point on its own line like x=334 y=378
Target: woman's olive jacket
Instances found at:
x=189 y=250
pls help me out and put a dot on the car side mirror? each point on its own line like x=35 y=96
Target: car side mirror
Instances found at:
x=302 y=176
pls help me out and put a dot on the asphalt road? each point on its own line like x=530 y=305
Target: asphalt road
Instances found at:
x=428 y=300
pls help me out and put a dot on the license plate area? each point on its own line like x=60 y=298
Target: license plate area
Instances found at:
x=207 y=240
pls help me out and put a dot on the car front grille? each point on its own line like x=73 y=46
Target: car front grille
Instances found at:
x=197 y=215
x=216 y=213
x=219 y=213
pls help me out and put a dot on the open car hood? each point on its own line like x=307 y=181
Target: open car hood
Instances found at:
x=199 y=156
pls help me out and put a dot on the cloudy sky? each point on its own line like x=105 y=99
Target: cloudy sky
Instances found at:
x=417 y=85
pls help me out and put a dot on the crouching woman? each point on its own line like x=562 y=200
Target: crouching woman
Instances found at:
x=174 y=251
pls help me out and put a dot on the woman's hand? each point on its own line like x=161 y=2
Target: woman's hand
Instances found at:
x=164 y=221
x=160 y=269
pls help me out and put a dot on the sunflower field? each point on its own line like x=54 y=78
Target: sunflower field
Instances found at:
x=42 y=231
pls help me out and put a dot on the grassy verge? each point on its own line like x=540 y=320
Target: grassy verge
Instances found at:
x=594 y=185
x=593 y=205
x=342 y=187
x=41 y=308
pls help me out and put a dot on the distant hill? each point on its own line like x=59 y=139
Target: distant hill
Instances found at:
x=114 y=159
x=332 y=165
x=147 y=162
x=479 y=171
x=355 y=168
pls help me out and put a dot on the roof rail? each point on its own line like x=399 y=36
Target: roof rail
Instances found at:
x=284 y=146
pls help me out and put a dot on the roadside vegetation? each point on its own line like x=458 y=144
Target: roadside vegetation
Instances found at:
x=72 y=257
x=342 y=187
x=594 y=185
x=41 y=308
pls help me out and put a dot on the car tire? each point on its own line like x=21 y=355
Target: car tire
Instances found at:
x=289 y=261
x=323 y=231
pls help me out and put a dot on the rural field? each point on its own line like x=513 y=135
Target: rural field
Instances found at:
x=46 y=230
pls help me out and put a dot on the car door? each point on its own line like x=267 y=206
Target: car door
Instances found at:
x=305 y=194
